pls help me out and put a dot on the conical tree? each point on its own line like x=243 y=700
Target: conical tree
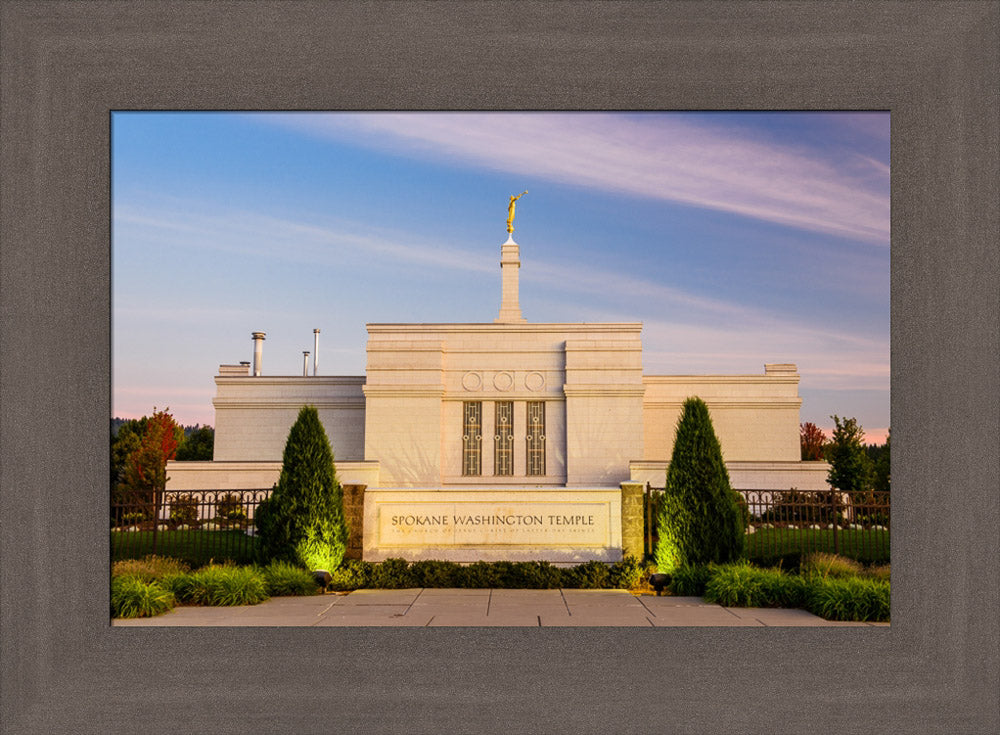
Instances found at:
x=700 y=520
x=303 y=520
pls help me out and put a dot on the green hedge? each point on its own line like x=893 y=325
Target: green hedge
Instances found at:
x=398 y=574
x=154 y=585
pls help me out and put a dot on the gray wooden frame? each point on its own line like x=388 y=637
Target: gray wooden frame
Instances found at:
x=64 y=66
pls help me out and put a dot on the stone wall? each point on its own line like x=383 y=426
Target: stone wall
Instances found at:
x=633 y=519
x=354 y=514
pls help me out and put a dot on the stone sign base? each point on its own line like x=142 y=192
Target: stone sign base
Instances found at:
x=486 y=524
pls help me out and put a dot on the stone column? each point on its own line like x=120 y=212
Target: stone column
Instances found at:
x=633 y=519
x=354 y=515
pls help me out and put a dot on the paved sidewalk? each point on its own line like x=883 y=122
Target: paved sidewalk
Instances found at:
x=462 y=607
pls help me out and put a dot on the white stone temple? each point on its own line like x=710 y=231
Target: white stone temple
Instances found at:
x=508 y=440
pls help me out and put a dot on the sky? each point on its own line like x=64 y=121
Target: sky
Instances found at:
x=736 y=238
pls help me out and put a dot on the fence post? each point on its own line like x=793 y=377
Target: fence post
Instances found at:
x=156 y=513
x=648 y=513
x=834 y=502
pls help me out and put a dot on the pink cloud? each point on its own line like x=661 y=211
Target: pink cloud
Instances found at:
x=668 y=158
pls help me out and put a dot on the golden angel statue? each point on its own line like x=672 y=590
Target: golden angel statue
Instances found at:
x=510 y=211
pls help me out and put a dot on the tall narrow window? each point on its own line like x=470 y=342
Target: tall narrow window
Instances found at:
x=503 y=440
x=536 y=438
x=472 y=438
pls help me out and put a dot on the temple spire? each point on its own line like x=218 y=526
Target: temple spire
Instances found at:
x=510 y=264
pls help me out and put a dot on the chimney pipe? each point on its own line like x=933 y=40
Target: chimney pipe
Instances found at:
x=305 y=363
x=315 y=352
x=258 y=348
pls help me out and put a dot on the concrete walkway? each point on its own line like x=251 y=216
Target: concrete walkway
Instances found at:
x=462 y=607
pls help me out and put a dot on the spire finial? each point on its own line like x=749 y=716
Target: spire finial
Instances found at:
x=510 y=211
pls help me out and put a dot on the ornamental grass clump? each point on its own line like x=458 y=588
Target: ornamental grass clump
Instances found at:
x=700 y=520
x=880 y=572
x=823 y=564
x=223 y=586
x=743 y=585
x=302 y=522
x=852 y=598
x=131 y=597
x=690 y=580
x=149 y=568
x=282 y=579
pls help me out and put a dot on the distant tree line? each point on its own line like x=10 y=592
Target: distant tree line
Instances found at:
x=141 y=448
x=854 y=465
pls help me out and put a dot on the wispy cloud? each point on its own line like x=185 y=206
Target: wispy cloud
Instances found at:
x=825 y=358
x=672 y=159
x=256 y=235
x=704 y=334
x=247 y=233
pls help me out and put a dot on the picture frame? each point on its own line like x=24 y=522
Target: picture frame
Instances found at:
x=66 y=66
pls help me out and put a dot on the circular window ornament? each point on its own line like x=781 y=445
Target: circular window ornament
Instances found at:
x=472 y=381
x=503 y=381
x=534 y=381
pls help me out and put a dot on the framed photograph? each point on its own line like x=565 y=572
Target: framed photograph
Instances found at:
x=69 y=68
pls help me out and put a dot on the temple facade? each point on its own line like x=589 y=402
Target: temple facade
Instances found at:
x=504 y=440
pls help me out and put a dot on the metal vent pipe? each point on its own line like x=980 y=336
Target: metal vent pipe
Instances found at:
x=305 y=363
x=315 y=352
x=258 y=349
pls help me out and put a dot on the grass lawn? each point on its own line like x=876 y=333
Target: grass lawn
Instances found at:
x=868 y=547
x=195 y=547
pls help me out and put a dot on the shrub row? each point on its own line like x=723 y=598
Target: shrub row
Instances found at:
x=154 y=585
x=398 y=574
x=831 y=587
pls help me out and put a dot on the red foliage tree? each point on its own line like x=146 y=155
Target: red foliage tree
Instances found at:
x=145 y=475
x=812 y=441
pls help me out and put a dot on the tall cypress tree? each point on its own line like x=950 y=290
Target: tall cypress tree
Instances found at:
x=303 y=520
x=700 y=520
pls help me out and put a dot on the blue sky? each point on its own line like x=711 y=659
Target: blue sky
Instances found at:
x=736 y=238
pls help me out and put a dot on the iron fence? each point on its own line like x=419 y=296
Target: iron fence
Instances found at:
x=195 y=525
x=786 y=522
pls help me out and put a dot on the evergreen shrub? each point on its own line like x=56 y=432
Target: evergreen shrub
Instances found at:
x=701 y=520
x=392 y=574
x=397 y=574
x=302 y=522
x=183 y=508
x=481 y=575
x=230 y=507
x=627 y=574
x=352 y=575
x=435 y=574
x=592 y=575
